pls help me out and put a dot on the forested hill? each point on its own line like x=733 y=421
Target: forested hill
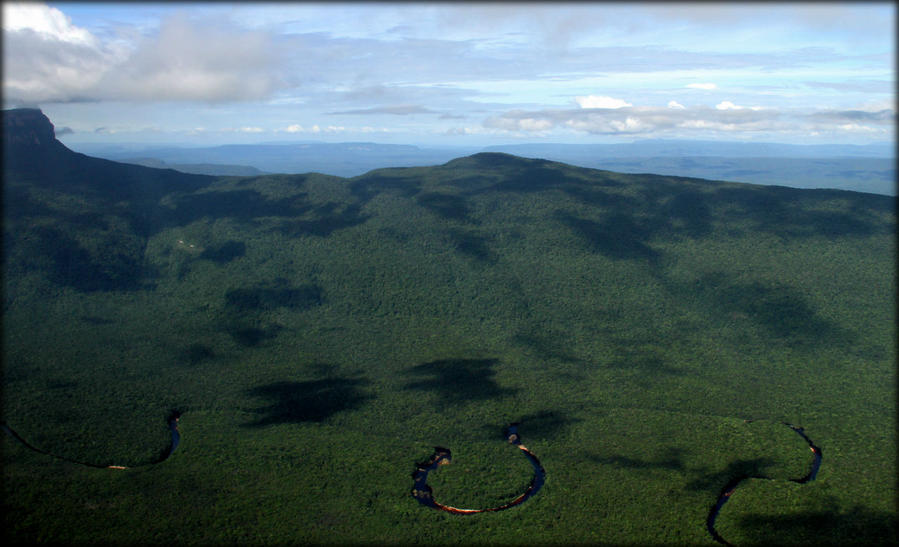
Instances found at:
x=318 y=336
x=31 y=152
x=88 y=206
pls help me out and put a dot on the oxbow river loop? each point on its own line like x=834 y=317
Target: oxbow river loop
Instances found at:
x=442 y=456
x=731 y=486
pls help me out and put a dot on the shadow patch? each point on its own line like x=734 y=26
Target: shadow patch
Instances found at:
x=617 y=236
x=269 y=298
x=195 y=354
x=646 y=361
x=857 y=526
x=673 y=460
x=226 y=252
x=546 y=424
x=243 y=205
x=369 y=185
x=312 y=401
x=459 y=380
x=782 y=311
x=787 y=212
x=250 y=337
x=117 y=265
x=691 y=212
x=94 y=320
x=445 y=205
x=473 y=245
x=734 y=470
x=327 y=219
x=547 y=344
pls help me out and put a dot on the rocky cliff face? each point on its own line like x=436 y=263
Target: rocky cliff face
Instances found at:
x=29 y=139
x=28 y=127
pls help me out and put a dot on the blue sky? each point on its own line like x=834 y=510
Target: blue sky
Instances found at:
x=454 y=73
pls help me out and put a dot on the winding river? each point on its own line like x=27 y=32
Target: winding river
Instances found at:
x=173 y=428
x=733 y=483
x=442 y=456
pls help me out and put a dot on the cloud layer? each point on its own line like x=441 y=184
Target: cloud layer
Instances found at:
x=56 y=61
x=467 y=71
x=675 y=120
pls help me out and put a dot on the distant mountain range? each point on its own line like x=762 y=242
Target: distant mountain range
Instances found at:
x=216 y=169
x=869 y=168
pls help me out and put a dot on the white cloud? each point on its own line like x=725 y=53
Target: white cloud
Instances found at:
x=295 y=128
x=531 y=124
x=598 y=101
x=707 y=86
x=859 y=128
x=49 y=23
x=676 y=105
x=727 y=105
x=695 y=121
x=629 y=124
x=48 y=59
x=186 y=60
x=399 y=110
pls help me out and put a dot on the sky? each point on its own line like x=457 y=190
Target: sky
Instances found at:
x=454 y=73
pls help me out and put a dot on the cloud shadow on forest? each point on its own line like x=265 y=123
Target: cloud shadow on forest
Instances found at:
x=739 y=468
x=459 y=380
x=448 y=206
x=782 y=311
x=673 y=460
x=242 y=205
x=268 y=298
x=858 y=525
x=616 y=236
x=309 y=401
x=473 y=245
x=327 y=218
x=224 y=252
x=546 y=424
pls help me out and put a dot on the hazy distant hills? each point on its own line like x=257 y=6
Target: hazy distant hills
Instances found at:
x=870 y=168
x=340 y=159
x=216 y=169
